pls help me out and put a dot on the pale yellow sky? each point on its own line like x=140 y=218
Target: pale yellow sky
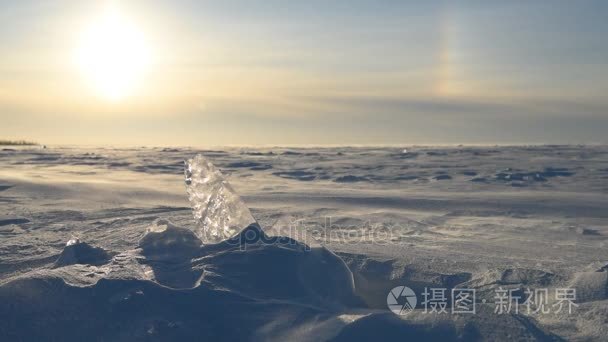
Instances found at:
x=200 y=73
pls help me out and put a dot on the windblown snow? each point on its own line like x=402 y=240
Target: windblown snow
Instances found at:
x=301 y=244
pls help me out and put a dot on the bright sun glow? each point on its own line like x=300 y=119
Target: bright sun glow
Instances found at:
x=113 y=56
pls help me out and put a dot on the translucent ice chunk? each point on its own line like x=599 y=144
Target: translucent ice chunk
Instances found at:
x=219 y=212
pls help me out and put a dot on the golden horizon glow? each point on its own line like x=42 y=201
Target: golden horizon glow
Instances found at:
x=113 y=56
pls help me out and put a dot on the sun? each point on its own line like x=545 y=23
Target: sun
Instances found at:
x=112 y=55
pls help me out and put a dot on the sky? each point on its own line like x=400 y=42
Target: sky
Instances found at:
x=277 y=72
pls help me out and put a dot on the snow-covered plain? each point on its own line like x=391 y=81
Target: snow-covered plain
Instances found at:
x=444 y=217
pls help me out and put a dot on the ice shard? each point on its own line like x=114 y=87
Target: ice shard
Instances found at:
x=218 y=211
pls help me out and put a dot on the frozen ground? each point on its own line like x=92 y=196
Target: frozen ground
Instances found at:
x=474 y=217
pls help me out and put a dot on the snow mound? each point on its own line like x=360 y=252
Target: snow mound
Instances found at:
x=77 y=252
x=486 y=282
x=259 y=266
x=591 y=286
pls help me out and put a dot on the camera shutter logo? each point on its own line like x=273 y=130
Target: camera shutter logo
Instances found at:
x=401 y=300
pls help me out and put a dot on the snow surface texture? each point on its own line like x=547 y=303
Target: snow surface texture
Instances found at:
x=138 y=269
